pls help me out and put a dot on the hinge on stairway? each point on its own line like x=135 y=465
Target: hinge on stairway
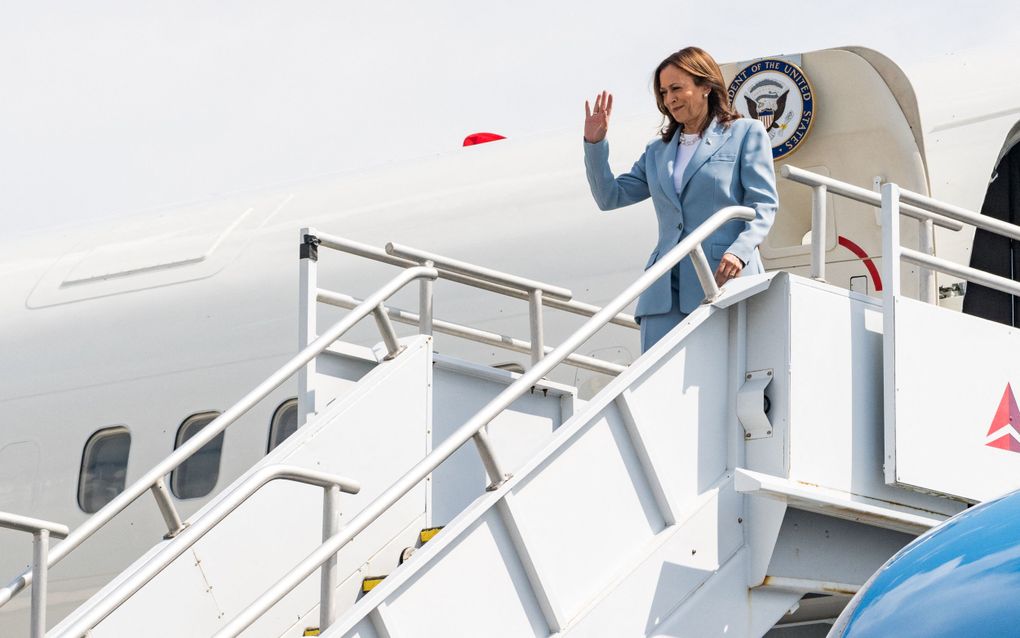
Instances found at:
x=752 y=402
x=310 y=247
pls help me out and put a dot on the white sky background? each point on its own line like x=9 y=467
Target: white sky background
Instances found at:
x=111 y=107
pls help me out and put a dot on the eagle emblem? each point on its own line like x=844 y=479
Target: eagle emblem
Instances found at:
x=775 y=92
x=768 y=112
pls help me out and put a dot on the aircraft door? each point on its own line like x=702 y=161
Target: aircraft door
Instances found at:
x=994 y=253
x=864 y=129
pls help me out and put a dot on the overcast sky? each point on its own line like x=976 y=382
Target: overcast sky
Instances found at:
x=115 y=106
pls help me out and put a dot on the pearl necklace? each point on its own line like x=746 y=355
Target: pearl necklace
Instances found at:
x=688 y=140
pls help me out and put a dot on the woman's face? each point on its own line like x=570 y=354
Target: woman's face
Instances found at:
x=685 y=100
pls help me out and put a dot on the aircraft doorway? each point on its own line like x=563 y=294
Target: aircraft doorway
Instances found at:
x=994 y=253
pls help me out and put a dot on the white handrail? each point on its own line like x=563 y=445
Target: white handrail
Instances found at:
x=690 y=244
x=200 y=527
x=231 y=415
x=473 y=334
x=377 y=254
x=1002 y=284
x=32 y=525
x=863 y=195
x=959 y=214
x=821 y=185
x=537 y=293
x=892 y=198
x=486 y=274
x=41 y=532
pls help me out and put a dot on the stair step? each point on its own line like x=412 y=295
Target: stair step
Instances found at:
x=311 y=631
x=368 y=584
x=428 y=534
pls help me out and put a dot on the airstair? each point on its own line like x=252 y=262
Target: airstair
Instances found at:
x=742 y=478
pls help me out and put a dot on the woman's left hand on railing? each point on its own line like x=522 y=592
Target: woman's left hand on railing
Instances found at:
x=729 y=267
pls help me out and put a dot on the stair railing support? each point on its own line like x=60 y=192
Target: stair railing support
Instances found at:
x=426 y=298
x=926 y=276
x=308 y=285
x=492 y=467
x=41 y=532
x=537 y=329
x=382 y=319
x=705 y=274
x=166 y=508
x=818 y=222
x=330 y=573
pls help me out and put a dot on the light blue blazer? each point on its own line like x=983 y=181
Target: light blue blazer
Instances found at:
x=732 y=166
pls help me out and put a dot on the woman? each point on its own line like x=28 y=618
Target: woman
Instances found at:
x=706 y=159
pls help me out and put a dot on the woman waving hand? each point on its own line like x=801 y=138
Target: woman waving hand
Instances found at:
x=706 y=158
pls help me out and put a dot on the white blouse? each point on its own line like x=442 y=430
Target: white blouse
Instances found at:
x=684 y=151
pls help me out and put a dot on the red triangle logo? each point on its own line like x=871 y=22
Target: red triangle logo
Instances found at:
x=1006 y=424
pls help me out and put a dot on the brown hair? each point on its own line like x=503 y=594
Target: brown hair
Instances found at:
x=706 y=73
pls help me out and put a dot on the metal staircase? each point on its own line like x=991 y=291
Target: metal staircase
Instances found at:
x=733 y=481
x=243 y=540
x=653 y=511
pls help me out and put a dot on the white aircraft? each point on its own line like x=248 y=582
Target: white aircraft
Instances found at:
x=121 y=338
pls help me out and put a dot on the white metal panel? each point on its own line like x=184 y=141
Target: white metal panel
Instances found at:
x=681 y=560
x=836 y=435
x=516 y=434
x=349 y=589
x=834 y=503
x=680 y=410
x=589 y=499
x=768 y=347
x=724 y=608
x=821 y=548
x=479 y=588
x=191 y=592
x=952 y=374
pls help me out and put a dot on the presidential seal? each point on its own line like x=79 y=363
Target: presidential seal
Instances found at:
x=778 y=94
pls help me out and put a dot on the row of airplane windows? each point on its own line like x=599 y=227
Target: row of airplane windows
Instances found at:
x=105 y=458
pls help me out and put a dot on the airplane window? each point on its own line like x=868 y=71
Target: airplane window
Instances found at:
x=103 y=468
x=284 y=423
x=197 y=476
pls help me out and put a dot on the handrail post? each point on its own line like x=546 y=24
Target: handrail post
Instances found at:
x=705 y=275
x=926 y=276
x=307 y=299
x=330 y=574
x=36 y=576
x=890 y=244
x=167 y=509
x=818 y=222
x=537 y=330
x=393 y=347
x=40 y=560
x=496 y=474
x=425 y=301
